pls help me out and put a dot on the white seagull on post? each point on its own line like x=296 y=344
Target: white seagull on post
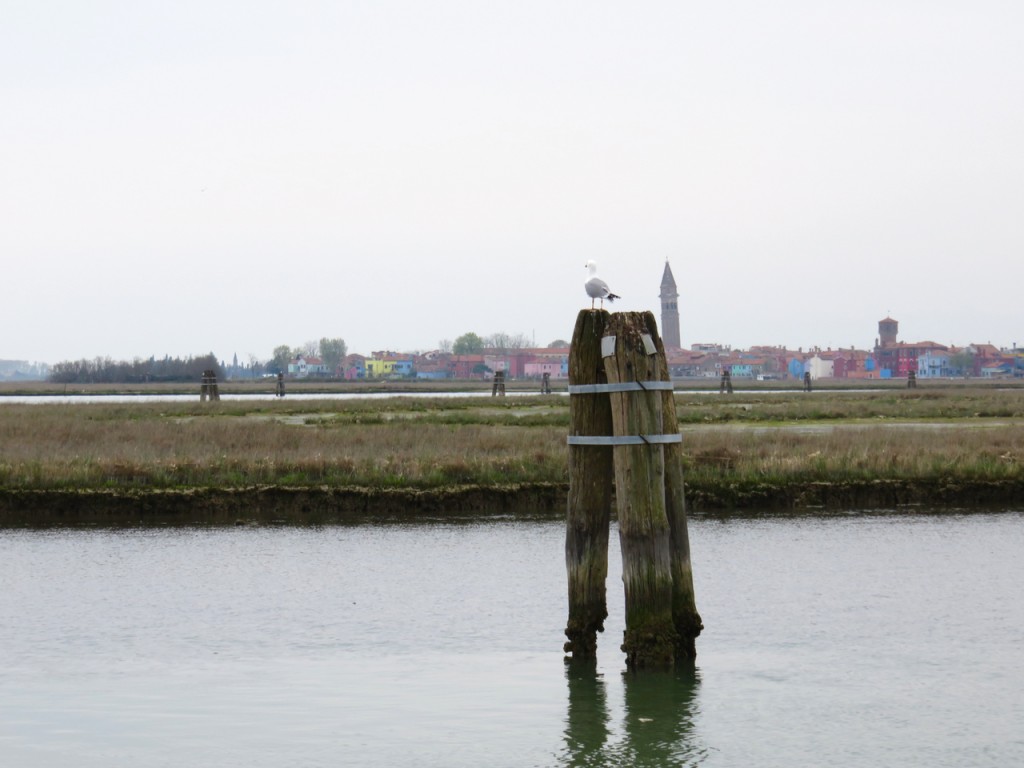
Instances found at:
x=598 y=288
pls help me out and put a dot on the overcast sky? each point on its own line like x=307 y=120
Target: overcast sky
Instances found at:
x=185 y=177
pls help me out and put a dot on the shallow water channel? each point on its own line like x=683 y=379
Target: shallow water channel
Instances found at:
x=853 y=640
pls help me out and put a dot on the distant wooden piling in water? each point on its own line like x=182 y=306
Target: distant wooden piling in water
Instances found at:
x=279 y=391
x=912 y=380
x=617 y=365
x=725 y=385
x=498 y=388
x=208 y=389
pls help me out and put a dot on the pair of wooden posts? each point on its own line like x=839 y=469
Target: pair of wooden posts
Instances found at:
x=208 y=389
x=623 y=426
x=498 y=387
x=725 y=385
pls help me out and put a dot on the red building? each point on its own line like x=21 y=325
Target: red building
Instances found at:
x=899 y=358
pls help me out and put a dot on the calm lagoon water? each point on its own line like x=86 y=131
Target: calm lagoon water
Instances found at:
x=881 y=640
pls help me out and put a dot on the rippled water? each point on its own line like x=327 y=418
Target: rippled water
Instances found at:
x=853 y=641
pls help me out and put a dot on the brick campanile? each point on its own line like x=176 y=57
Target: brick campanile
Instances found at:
x=669 y=309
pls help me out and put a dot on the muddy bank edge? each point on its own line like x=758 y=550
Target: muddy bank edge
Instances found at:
x=325 y=505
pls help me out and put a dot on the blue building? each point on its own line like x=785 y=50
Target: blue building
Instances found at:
x=934 y=364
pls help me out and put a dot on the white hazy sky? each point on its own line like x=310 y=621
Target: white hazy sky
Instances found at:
x=185 y=177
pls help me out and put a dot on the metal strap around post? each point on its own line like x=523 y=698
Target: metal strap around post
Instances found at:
x=624 y=439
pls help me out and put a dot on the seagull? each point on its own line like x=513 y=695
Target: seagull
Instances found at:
x=598 y=288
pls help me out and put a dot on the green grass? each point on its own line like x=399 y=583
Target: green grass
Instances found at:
x=424 y=443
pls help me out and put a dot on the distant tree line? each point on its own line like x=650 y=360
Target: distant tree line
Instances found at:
x=103 y=370
x=473 y=344
x=330 y=351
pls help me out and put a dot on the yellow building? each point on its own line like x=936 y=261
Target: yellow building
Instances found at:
x=379 y=368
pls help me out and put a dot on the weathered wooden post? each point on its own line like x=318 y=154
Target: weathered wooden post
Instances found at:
x=911 y=379
x=208 y=388
x=622 y=402
x=279 y=392
x=684 y=605
x=498 y=388
x=725 y=385
x=632 y=361
x=588 y=512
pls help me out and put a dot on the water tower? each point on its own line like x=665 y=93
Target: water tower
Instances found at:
x=888 y=329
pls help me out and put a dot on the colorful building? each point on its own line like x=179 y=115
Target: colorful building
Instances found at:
x=307 y=365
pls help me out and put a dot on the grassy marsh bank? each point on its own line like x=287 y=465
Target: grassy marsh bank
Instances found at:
x=870 y=448
x=267 y=386
x=264 y=386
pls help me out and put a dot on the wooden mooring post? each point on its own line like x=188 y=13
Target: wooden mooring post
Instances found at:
x=208 y=389
x=279 y=391
x=498 y=388
x=618 y=378
x=912 y=380
x=588 y=512
x=725 y=385
x=687 y=621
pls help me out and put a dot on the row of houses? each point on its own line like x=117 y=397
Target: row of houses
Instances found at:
x=890 y=358
x=517 y=364
x=927 y=360
x=986 y=361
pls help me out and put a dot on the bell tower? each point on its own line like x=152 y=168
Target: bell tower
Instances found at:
x=888 y=330
x=669 y=309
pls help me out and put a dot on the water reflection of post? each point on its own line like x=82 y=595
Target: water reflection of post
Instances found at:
x=659 y=712
x=660 y=707
x=586 y=725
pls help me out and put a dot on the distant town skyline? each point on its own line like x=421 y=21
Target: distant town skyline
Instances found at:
x=184 y=178
x=893 y=333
